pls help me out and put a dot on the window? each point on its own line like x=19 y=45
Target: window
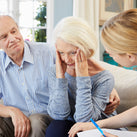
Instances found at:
x=30 y=15
x=4 y=7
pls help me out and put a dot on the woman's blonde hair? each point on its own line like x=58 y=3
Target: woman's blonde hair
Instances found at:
x=119 y=34
x=76 y=31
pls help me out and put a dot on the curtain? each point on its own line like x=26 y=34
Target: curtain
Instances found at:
x=88 y=10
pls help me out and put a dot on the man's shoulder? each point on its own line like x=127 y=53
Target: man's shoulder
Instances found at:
x=41 y=50
x=37 y=45
x=40 y=47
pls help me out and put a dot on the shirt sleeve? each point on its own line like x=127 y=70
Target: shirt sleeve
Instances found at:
x=92 y=97
x=58 y=107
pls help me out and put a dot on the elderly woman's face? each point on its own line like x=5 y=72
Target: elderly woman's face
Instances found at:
x=67 y=52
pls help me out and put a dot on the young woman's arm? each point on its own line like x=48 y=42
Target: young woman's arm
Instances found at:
x=124 y=119
x=108 y=135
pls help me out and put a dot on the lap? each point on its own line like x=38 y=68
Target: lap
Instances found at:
x=59 y=128
x=39 y=123
x=6 y=127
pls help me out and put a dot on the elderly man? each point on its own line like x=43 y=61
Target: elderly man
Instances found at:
x=23 y=83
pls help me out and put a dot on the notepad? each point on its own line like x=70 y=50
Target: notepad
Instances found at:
x=96 y=133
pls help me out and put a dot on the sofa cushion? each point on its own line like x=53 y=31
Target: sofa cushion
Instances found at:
x=125 y=84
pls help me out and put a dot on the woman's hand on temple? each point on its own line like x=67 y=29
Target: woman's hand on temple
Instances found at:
x=81 y=65
x=60 y=66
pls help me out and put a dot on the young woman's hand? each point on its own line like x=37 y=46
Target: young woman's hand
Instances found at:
x=81 y=65
x=108 y=134
x=60 y=66
x=80 y=126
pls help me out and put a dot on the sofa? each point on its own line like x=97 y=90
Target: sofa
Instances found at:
x=126 y=86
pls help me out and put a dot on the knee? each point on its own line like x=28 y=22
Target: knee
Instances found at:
x=39 y=121
x=36 y=121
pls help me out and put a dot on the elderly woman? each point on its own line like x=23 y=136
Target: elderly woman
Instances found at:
x=79 y=87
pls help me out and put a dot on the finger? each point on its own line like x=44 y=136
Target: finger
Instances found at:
x=72 y=128
x=108 y=134
x=19 y=132
x=72 y=133
x=111 y=98
x=15 y=131
x=83 y=57
x=111 y=108
x=111 y=105
x=109 y=112
x=78 y=56
x=57 y=56
x=28 y=129
x=114 y=103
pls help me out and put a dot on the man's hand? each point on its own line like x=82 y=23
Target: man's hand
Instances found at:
x=21 y=123
x=114 y=101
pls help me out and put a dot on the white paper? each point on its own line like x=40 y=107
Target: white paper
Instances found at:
x=96 y=133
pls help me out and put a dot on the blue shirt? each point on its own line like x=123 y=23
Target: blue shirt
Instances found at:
x=26 y=87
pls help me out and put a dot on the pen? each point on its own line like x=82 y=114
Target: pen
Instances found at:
x=95 y=124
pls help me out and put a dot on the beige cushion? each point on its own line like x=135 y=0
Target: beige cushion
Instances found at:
x=125 y=84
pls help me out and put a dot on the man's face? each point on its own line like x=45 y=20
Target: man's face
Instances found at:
x=11 y=40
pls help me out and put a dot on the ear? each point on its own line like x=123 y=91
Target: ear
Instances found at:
x=91 y=52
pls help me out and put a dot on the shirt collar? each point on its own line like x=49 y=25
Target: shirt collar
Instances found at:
x=28 y=57
x=7 y=61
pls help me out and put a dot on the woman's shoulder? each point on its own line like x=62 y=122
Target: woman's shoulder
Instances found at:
x=102 y=76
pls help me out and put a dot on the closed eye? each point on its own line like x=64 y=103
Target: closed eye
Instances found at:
x=13 y=31
x=73 y=53
x=3 y=37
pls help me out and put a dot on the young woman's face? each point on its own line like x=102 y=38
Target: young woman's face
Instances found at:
x=67 y=53
x=122 y=59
